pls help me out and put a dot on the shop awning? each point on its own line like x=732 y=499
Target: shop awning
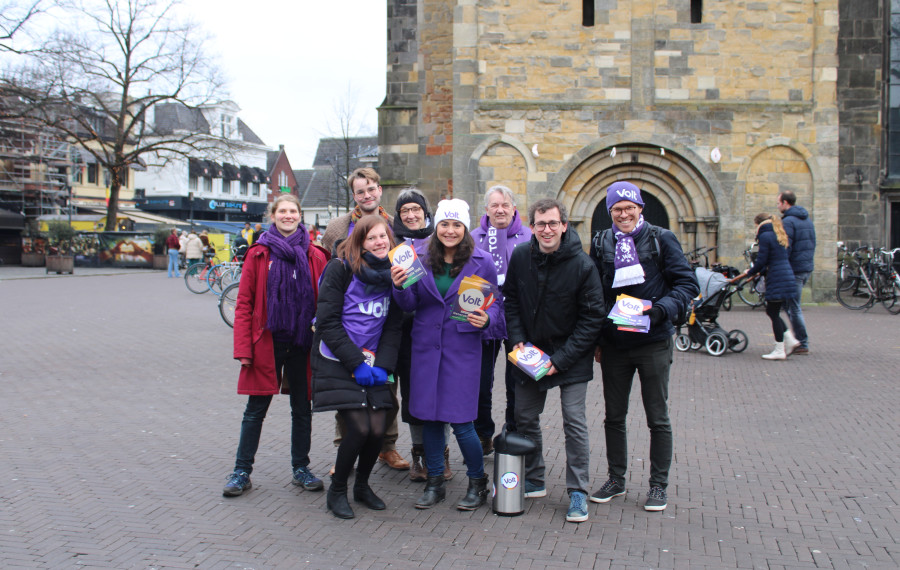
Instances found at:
x=231 y=172
x=263 y=175
x=11 y=220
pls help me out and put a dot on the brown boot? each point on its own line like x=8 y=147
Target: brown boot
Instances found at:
x=394 y=460
x=447 y=473
x=418 y=472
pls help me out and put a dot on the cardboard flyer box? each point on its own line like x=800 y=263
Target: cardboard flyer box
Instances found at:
x=406 y=257
x=531 y=360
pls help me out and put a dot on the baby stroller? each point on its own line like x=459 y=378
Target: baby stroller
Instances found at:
x=703 y=328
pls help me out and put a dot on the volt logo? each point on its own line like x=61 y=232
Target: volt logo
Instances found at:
x=471 y=300
x=376 y=309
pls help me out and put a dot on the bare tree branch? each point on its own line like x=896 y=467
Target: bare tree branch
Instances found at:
x=13 y=19
x=96 y=87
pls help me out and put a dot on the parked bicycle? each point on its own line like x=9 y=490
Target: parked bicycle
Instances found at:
x=752 y=291
x=228 y=302
x=876 y=280
x=196 y=276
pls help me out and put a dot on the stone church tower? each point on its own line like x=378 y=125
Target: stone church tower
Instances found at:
x=711 y=108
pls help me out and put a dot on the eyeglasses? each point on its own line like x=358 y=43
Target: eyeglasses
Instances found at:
x=625 y=210
x=363 y=191
x=410 y=210
x=540 y=226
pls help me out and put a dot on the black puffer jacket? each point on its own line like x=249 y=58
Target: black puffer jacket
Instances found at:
x=555 y=302
x=672 y=289
x=801 y=238
x=333 y=386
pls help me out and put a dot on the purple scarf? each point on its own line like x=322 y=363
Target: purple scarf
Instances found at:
x=291 y=303
x=628 y=266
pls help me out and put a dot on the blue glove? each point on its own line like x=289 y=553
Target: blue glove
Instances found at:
x=380 y=375
x=364 y=376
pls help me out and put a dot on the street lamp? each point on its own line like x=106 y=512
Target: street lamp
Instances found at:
x=191 y=202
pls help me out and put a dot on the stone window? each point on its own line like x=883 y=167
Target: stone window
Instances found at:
x=696 y=11
x=587 y=16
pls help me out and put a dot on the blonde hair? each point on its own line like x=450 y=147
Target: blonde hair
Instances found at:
x=274 y=205
x=777 y=226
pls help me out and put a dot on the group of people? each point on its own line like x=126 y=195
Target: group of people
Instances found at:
x=189 y=245
x=785 y=258
x=381 y=345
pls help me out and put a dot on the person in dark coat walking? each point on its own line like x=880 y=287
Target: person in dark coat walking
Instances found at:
x=645 y=261
x=773 y=259
x=446 y=353
x=801 y=235
x=354 y=354
x=553 y=300
x=272 y=337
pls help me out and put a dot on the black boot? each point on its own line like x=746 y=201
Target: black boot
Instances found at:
x=434 y=493
x=476 y=494
x=336 y=500
x=364 y=494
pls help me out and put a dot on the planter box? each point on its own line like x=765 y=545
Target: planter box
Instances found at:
x=61 y=264
x=160 y=261
x=33 y=259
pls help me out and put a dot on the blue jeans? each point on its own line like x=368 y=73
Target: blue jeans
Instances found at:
x=291 y=360
x=794 y=313
x=469 y=445
x=652 y=362
x=173 y=263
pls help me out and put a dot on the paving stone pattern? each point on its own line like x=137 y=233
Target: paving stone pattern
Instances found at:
x=119 y=421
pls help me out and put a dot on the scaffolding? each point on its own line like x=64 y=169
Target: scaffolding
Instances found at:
x=35 y=165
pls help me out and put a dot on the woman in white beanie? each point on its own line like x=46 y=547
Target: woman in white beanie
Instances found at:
x=446 y=353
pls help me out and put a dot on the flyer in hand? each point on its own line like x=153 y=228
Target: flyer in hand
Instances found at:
x=531 y=360
x=405 y=256
x=627 y=313
x=474 y=293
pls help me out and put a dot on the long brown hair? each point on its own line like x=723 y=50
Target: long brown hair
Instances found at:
x=780 y=234
x=351 y=249
x=460 y=256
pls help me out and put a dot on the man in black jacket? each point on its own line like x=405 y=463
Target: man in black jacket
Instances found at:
x=553 y=300
x=647 y=262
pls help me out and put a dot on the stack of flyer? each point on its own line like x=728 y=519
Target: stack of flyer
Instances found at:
x=627 y=313
x=531 y=360
x=405 y=256
x=474 y=293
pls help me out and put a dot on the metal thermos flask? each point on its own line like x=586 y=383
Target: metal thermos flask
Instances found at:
x=510 y=449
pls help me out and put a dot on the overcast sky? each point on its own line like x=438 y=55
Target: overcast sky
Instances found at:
x=287 y=64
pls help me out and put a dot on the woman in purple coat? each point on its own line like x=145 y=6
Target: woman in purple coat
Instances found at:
x=446 y=354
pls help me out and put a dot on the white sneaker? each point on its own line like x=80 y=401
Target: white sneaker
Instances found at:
x=790 y=343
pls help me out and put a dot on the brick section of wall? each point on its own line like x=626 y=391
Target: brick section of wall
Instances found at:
x=860 y=52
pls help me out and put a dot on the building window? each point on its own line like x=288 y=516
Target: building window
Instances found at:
x=587 y=13
x=92 y=173
x=226 y=186
x=243 y=188
x=282 y=179
x=255 y=189
x=192 y=183
x=79 y=175
x=696 y=11
x=893 y=126
x=207 y=184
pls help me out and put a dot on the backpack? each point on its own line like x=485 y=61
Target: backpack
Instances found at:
x=604 y=241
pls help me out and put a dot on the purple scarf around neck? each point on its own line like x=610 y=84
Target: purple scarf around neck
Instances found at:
x=628 y=266
x=291 y=302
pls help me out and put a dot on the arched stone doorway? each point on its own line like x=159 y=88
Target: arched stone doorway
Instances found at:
x=676 y=193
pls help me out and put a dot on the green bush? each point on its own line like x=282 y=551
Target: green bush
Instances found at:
x=61 y=235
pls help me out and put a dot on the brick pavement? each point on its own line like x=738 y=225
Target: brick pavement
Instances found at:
x=119 y=421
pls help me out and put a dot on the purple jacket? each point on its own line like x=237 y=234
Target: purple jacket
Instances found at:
x=516 y=233
x=446 y=354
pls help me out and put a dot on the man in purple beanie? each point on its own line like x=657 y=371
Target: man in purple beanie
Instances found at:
x=645 y=261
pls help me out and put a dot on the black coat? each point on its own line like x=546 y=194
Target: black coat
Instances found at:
x=333 y=385
x=773 y=258
x=671 y=289
x=555 y=302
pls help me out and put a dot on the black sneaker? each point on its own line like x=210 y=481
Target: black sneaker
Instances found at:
x=303 y=477
x=237 y=483
x=656 y=499
x=610 y=489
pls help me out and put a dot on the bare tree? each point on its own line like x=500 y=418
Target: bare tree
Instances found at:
x=345 y=126
x=96 y=87
x=13 y=18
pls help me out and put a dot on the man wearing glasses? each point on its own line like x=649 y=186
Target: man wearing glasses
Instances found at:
x=554 y=300
x=363 y=184
x=644 y=261
x=501 y=230
x=366 y=192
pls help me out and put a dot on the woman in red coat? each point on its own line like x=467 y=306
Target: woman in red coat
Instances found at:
x=272 y=337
